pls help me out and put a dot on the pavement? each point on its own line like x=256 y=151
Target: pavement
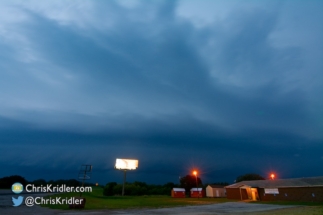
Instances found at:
x=227 y=208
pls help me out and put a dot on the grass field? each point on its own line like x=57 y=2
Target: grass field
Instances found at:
x=96 y=200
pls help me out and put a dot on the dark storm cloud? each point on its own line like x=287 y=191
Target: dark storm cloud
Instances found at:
x=106 y=80
x=171 y=74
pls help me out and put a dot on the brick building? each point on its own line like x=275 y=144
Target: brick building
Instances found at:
x=294 y=189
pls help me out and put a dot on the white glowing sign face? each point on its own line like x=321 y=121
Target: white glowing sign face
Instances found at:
x=271 y=191
x=126 y=164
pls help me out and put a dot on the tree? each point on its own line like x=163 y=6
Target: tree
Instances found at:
x=249 y=177
x=189 y=181
x=221 y=183
x=170 y=185
x=39 y=182
x=108 y=189
x=138 y=188
x=7 y=182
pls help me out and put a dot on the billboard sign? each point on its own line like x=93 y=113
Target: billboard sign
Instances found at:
x=126 y=164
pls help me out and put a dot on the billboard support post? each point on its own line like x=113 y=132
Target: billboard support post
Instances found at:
x=124 y=181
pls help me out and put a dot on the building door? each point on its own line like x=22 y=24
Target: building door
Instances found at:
x=217 y=193
x=254 y=194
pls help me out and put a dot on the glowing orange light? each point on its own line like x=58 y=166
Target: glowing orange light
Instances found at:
x=272 y=176
x=195 y=173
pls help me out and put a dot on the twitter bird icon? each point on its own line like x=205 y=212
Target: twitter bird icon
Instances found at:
x=17 y=201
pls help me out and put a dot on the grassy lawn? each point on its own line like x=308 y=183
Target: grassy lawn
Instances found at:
x=96 y=200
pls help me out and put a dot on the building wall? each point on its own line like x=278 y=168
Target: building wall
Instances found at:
x=221 y=192
x=212 y=192
x=301 y=194
x=197 y=194
x=244 y=194
x=234 y=193
x=178 y=194
x=209 y=192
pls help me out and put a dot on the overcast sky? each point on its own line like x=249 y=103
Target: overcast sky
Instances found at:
x=226 y=87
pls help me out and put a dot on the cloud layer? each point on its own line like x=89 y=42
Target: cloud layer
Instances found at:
x=181 y=83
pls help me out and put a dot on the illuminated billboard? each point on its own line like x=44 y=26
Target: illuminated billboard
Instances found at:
x=126 y=164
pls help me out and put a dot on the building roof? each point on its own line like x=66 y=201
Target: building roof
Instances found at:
x=196 y=189
x=216 y=186
x=179 y=189
x=292 y=182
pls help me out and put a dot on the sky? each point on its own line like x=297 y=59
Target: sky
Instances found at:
x=223 y=87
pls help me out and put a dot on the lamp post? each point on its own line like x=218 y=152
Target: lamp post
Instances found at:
x=195 y=173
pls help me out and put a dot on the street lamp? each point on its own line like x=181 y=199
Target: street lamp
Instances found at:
x=272 y=176
x=195 y=173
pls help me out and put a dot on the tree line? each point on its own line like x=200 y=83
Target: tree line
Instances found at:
x=136 y=188
x=141 y=188
x=187 y=182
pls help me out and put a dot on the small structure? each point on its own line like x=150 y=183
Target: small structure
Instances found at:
x=197 y=192
x=215 y=191
x=294 y=189
x=178 y=193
